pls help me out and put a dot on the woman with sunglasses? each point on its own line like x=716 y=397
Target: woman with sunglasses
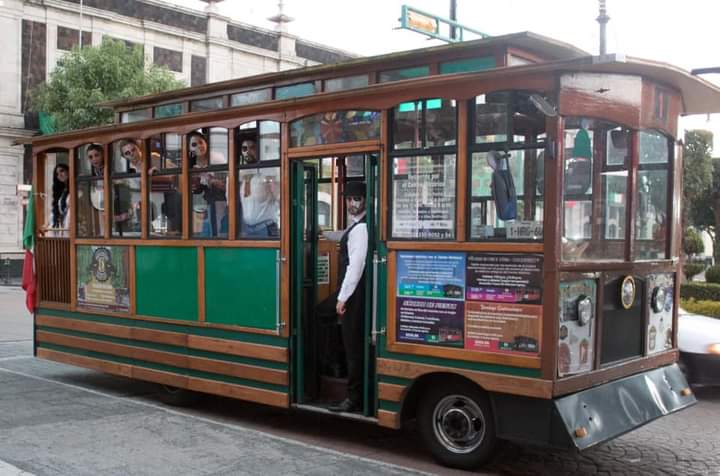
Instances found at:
x=208 y=188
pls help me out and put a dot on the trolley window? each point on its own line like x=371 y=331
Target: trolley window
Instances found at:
x=208 y=163
x=128 y=163
x=90 y=165
x=165 y=214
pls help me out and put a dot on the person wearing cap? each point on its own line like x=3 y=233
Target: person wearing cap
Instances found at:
x=350 y=305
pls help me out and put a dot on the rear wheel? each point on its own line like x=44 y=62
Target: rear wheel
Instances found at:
x=178 y=397
x=457 y=425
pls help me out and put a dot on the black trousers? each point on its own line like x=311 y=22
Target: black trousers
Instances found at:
x=353 y=328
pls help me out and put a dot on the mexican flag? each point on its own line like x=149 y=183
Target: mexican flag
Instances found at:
x=29 y=280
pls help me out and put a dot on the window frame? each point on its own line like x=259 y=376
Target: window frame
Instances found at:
x=445 y=150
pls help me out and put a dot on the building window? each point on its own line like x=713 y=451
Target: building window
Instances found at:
x=170 y=58
x=67 y=38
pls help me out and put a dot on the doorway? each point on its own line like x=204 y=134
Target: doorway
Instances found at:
x=318 y=218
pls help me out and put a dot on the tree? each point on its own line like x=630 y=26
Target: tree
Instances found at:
x=91 y=75
x=699 y=200
x=692 y=243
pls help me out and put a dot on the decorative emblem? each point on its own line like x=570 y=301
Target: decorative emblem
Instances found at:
x=627 y=292
x=101 y=266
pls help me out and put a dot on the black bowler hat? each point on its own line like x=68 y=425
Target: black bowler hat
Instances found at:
x=354 y=189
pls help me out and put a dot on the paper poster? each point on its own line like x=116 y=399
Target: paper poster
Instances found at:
x=575 y=343
x=504 y=303
x=430 y=305
x=102 y=273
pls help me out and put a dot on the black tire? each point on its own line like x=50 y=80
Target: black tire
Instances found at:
x=178 y=397
x=456 y=424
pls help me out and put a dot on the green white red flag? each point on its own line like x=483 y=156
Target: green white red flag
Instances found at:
x=29 y=278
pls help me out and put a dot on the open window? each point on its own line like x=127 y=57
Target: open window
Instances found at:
x=208 y=162
x=164 y=177
x=128 y=161
x=507 y=146
x=258 y=187
x=90 y=164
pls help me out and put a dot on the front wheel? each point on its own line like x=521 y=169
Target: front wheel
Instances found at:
x=457 y=426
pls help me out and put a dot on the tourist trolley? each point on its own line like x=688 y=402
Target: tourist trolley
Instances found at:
x=522 y=276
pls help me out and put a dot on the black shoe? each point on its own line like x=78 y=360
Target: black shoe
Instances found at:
x=347 y=406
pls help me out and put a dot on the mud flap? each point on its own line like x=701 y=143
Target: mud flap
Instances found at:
x=607 y=411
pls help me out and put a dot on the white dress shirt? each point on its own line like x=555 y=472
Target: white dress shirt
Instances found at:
x=357 y=252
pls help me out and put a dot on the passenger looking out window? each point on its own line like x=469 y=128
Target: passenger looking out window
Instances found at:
x=208 y=186
x=60 y=210
x=259 y=197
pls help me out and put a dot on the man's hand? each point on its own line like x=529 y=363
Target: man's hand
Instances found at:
x=340 y=308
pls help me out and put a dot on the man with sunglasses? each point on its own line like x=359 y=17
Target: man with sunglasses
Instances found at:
x=350 y=305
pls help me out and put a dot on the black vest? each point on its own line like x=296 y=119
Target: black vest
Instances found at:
x=345 y=256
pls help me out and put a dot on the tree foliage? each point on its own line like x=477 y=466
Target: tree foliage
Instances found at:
x=701 y=184
x=692 y=243
x=92 y=75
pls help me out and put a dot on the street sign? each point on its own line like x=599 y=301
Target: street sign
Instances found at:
x=435 y=26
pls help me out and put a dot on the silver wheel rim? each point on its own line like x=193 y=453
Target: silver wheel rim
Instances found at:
x=459 y=424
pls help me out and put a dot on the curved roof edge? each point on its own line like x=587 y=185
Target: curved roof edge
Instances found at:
x=528 y=41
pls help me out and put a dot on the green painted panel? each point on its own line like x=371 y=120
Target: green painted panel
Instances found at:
x=389 y=406
x=241 y=287
x=185 y=329
x=467 y=65
x=166 y=282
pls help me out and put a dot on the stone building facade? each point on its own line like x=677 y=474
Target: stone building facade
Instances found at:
x=199 y=47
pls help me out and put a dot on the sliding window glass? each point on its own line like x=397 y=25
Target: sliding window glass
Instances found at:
x=164 y=177
x=128 y=162
x=90 y=165
x=506 y=180
x=423 y=158
x=258 y=187
x=595 y=190
x=208 y=163
x=651 y=197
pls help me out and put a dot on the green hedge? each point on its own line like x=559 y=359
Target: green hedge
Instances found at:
x=705 y=308
x=700 y=291
x=712 y=275
x=692 y=269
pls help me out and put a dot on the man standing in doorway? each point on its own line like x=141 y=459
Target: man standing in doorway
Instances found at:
x=350 y=306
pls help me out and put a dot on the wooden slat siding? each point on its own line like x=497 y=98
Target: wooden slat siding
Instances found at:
x=388 y=419
x=492 y=382
x=268 y=397
x=114 y=368
x=224 y=346
x=220 y=367
x=240 y=392
x=242 y=349
x=528 y=362
x=53 y=265
x=391 y=392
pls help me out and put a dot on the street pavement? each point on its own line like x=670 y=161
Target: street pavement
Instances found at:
x=61 y=420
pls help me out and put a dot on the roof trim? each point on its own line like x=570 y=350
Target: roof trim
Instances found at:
x=551 y=48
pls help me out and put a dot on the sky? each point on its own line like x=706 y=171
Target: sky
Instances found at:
x=680 y=32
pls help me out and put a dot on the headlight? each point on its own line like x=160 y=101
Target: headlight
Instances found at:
x=584 y=310
x=714 y=349
x=658 y=299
